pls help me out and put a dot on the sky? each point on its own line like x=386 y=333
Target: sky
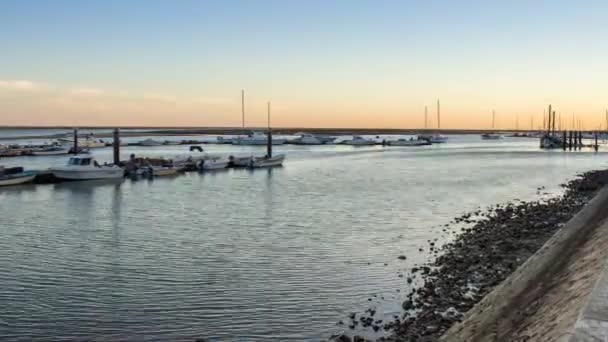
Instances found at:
x=321 y=63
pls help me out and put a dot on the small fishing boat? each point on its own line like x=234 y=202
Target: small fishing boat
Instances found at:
x=15 y=176
x=159 y=171
x=266 y=161
x=434 y=138
x=239 y=161
x=213 y=163
x=85 y=167
x=491 y=136
x=86 y=143
x=409 y=142
x=256 y=138
x=358 y=141
x=150 y=142
x=51 y=151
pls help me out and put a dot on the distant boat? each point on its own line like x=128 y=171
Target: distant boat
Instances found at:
x=86 y=143
x=256 y=138
x=150 y=142
x=491 y=136
x=551 y=142
x=264 y=162
x=409 y=142
x=434 y=138
x=216 y=163
x=8 y=152
x=358 y=141
x=222 y=140
x=15 y=176
x=85 y=167
x=51 y=151
x=159 y=171
x=306 y=139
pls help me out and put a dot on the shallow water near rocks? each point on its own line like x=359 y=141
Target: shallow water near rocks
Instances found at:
x=269 y=255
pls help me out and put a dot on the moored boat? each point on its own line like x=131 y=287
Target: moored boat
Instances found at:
x=15 y=176
x=256 y=138
x=409 y=142
x=150 y=142
x=266 y=161
x=306 y=139
x=434 y=138
x=213 y=163
x=358 y=141
x=491 y=136
x=85 y=167
x=51 y=151
x=236 y=161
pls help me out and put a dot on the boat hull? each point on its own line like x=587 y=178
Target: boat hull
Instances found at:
x=17 y=180
x=258 y=163
x=88 y=175
x=209 y=165
x=50 y=153
x=407 y=143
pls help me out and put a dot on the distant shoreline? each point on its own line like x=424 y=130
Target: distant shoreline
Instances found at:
x=169 y=131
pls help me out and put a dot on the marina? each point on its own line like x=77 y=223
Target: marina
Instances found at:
x=224 y=238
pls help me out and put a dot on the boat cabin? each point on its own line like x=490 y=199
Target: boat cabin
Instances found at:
x=83 y=161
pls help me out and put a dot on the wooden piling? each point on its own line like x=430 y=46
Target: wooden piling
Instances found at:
x=116 y=146
x=564 y=142
x=580 y=140
x=570 y=141
x=75 y=148
x=596 y=146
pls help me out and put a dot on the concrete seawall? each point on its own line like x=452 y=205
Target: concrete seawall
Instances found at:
x=558 y=294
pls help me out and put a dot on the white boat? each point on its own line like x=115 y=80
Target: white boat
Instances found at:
x=213 y=163
x=434 y=138
x=491 y=136
x=85 y=167
x=256 y=138
x=150 y=142
x=240 y=161
x=15 y=176
x=51 y=151
x=273 y=161
x=306 y=139
x=409 y=142
x=87 y=142
x=359 y=141
x=159 y=171
x=222 y=140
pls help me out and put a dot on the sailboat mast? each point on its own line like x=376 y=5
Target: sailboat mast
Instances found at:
x=243 y=108
x=438 y=115
x=269 y=115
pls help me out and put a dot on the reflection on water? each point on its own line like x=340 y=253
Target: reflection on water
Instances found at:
x=277 y=254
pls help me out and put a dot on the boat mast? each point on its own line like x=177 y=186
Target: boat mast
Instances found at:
x=549 y=123
x=438 y=115
x=269 y=142
x=243 y=108
x=426 y=117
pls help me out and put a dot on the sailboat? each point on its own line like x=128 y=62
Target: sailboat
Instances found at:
x=492 y=136
x=268 y=160
x=436 y=138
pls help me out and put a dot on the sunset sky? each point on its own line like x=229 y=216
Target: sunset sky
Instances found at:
x=322 y=63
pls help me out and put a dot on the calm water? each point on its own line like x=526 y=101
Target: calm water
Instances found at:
x=270 y=255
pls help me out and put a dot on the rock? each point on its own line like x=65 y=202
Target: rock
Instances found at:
x=358 y=338
x=402 y=257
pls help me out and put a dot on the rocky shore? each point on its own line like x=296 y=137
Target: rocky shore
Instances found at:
x=481 y=256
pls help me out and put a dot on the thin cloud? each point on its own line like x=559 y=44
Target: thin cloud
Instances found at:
x=85 y=91
x=20 y=85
